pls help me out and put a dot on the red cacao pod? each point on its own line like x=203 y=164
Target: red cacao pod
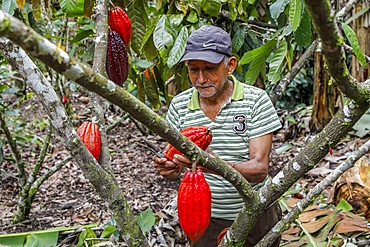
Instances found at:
x=120 y=22
x=117 y=59
x=64 y=99
x=194 y=204
x=200 y=135
x=90 y=136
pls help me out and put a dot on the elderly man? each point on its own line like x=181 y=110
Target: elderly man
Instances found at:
x=242 y=119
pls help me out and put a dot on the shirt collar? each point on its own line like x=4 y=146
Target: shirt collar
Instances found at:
x=238 y=94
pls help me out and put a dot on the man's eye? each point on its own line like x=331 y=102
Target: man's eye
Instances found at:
x=210 y=68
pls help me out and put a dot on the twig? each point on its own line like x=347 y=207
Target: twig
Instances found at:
x=42 y=156
x=118 y=122
x=16 y=154
x=341 y=14
x=282 y=85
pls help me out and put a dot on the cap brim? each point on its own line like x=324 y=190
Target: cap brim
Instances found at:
x=208 y=56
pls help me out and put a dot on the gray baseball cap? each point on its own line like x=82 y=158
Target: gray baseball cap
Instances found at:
x=208 y=43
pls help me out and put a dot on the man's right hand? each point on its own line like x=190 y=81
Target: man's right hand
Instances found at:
x=167 y=168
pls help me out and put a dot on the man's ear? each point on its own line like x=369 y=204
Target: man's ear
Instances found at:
x=232 y=65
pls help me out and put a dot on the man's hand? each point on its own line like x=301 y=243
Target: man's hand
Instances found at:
x=186 y=162
x=167 y=168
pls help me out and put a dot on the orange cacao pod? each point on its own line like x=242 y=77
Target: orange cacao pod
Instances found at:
x=221 y=235
x=90 y=136
x=117 y=59
x=120 y=22
x=194 y=204
x=200 y=135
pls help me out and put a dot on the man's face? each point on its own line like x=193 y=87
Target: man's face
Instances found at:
x=208 y=78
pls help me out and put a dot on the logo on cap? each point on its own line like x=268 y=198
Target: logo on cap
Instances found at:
x=206 y=45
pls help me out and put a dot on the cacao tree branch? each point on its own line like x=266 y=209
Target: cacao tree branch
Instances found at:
x=284 y=224
x=27 y=193
x=16 y=154
x=332 y=47
x=103 y=181
x=96 y=102
x=39 y=181
x=59 y=60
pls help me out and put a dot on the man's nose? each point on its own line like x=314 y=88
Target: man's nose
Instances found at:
x=201 y=77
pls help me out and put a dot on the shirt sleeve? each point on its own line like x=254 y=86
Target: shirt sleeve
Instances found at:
x=264 y=117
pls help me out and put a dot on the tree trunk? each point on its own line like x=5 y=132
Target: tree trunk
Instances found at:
x=324 y=94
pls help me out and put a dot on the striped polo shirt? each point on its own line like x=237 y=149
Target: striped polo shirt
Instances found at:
x=249 y=113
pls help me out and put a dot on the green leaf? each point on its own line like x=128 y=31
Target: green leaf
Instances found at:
x=3 y=87
x=257 y=57
x=12 y=241
x=276 y=62
x=142 y=63
x=18 y=239
x=175 y=20
x=81 y=35
x=108 y=231
x=182 y=5
x=137 y=15
x=357 y=15
x=162 y=37
x=295 y=12
x=148 y=33
x=72 y=8
x=278 y=7
x=87 y=56
x=151 y=91
x=87 y=233
x=44 y=239
x=264 y=50
x=81 y=239
x=232 y=10
x=211 y=7
x=239 y=38
x=255 y=69
x=11 y=113
x=192 y=17
x=352 y=38
x=344 y=206
x=195 y=5
x=146 y=220
x=178 y=48
x=8 y=6
x=303 y=34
